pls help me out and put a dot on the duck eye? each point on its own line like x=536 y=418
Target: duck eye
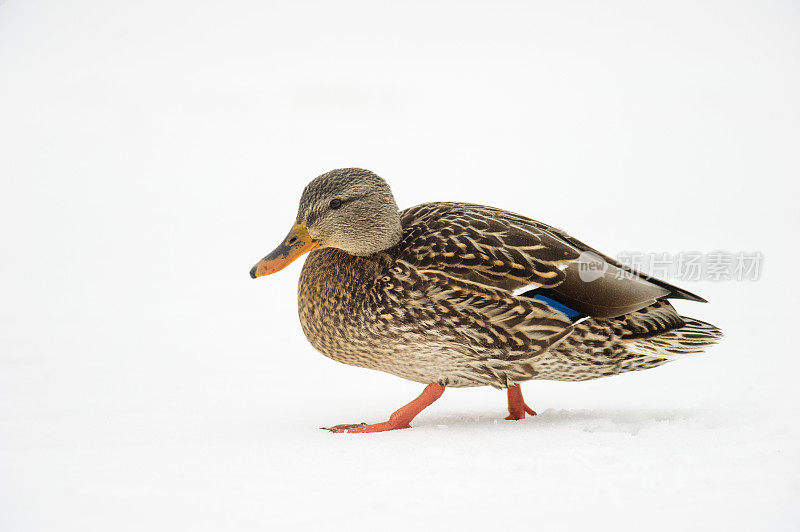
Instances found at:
x=336 y=203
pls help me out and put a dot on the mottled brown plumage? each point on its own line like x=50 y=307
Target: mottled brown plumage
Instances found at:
x=453 y=293
x=439 y=306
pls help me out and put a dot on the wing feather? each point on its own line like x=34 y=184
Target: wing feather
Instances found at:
x=485 y=245
x=508 y=251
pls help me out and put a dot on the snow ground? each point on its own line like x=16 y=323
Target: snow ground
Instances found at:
x=151 y=152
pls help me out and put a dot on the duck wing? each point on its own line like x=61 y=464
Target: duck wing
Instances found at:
x=507 y=251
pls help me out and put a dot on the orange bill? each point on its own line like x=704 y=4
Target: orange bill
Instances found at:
x=297 y=242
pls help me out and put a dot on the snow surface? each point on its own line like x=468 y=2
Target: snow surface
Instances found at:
x=151 y=152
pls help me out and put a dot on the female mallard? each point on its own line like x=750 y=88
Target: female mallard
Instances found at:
x=455 y=294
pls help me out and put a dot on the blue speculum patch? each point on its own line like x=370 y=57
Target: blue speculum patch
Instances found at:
x=570 y=313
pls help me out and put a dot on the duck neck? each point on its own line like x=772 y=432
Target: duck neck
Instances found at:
x=379 y=237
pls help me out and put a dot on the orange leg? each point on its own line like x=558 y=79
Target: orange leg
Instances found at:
x=516 y=404
x=401 y=418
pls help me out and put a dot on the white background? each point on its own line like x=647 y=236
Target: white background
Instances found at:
x=151 y=152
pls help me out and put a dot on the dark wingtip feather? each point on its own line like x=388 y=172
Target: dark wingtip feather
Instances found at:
x=680 y=293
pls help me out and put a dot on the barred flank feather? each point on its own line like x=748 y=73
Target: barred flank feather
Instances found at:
x=641 y=340
x=694 y=337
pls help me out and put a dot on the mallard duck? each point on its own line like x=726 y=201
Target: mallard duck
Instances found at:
x=457 y=294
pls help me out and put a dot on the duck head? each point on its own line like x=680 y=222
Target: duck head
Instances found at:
x=350 y=209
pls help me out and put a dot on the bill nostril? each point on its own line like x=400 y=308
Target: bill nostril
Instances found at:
x=292 y=240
